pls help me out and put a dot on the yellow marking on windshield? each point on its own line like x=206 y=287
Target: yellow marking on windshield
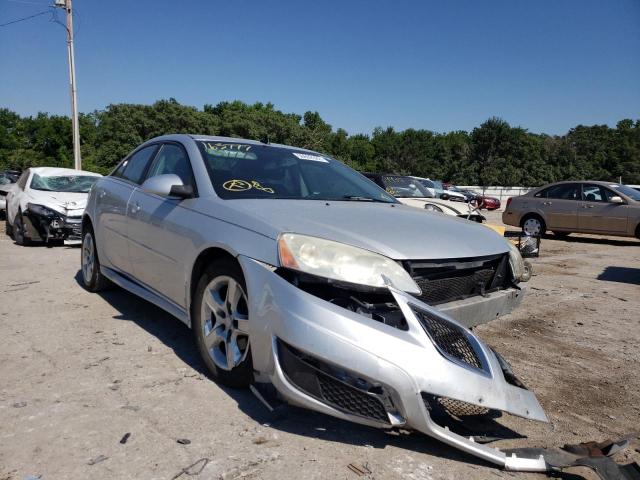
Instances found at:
x=236 y=185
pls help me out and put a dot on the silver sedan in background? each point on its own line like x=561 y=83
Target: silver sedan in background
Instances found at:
x=295 y=271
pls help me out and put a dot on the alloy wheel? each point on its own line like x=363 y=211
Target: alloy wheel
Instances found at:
x=225 y=323
x=88 y=258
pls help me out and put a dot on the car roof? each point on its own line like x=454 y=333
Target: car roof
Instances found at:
x=595 y=182
x=216 y=138
x=56 y=171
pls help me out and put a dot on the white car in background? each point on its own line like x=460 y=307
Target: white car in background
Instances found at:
x=437 y=190
x=46 y=204
x=5 y=186
x=410 y=191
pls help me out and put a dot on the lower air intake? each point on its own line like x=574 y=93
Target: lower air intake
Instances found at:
x=312 y=377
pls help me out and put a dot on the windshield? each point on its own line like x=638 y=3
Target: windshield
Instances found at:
x=65 y=183
x=240 y=170
x=628 y=191
x=404 y=187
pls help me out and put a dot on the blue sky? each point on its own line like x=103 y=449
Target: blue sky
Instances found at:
x=441 y=65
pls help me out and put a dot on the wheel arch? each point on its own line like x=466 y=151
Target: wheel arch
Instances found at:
x=204 y=258
x=528 y=215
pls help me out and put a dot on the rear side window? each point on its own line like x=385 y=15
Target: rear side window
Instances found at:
x=172 y=159
x=565 y=191
x=133 y=168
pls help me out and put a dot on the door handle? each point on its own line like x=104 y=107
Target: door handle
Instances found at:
x=547 y=203
x=587 y=206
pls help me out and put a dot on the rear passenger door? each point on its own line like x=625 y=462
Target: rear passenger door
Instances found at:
x=157 y=239
x=111 y=209
x=598 y=214
x=559 y=206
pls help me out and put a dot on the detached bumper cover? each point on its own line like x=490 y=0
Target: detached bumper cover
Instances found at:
x=374 y=365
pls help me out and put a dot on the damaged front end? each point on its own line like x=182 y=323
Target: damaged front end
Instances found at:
x=45 y=224
x=380 y=357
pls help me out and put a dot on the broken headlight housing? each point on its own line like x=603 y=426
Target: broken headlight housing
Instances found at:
x=520 y=271
x=41 y=210
x=341 y=262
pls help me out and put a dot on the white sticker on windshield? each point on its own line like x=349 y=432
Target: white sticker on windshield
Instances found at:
x=306 y=156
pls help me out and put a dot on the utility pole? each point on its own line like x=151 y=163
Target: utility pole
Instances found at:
x=77 y=161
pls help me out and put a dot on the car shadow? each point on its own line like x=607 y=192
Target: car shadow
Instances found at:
x=178 y=337
x=628 y=275
x=593 y=240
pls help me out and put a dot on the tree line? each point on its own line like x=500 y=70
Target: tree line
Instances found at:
x=494 y=153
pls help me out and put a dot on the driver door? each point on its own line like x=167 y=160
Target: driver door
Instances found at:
x=158 y=240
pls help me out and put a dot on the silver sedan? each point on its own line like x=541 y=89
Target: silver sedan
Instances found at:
x=295 y=271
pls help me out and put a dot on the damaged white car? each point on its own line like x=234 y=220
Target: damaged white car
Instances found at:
x=46 y=204
x=299 y=275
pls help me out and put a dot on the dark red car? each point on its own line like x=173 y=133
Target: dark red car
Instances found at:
x=490 y=203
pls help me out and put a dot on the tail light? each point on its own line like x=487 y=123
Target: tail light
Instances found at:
x=509 y=201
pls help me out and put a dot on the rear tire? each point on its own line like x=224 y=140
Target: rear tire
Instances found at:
x=92 y=278
x=220 y=324
x=19 y=231
x=533 y=225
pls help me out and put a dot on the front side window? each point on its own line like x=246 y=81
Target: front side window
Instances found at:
x=172 y=159
x=63 y=183
x=240 y=170
x=133 y=168
x=592 y=193
x=404 y=187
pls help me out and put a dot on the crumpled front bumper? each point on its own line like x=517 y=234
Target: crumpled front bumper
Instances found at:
x=404 y=364
x=53 y=227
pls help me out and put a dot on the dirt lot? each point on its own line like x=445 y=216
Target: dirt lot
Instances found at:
x=78 y=371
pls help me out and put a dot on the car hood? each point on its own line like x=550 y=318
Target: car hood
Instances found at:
x=394 y=230
x=67 y=203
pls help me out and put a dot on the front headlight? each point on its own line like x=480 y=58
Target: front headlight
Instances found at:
x=338 y=261
x=518 y=269
x=41 y=210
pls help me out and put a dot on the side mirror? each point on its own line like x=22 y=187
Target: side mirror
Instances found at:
x=616 y=199
x=445 y=196
x=167 y=185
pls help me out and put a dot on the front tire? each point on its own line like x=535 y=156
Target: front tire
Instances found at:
x=92 y=278
x=8 y=229
x=19 y=231
x=221 y=324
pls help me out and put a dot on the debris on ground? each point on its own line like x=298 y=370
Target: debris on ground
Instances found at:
x=359 y=470
x=19 y=404
x=98 y=459
x=192 y=470
x=183 y=441
x=125 y=438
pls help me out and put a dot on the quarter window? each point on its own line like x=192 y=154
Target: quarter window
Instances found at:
x=133 y=168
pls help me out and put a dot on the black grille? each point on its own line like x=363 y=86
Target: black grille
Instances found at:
x=319 y=384
x=350 y=400
x=449 y=338
x=459 y=408
x=448 y=281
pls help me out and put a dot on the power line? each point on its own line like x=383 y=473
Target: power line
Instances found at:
x=24 y=18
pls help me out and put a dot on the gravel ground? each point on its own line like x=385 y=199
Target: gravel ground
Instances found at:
x=80 y=370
